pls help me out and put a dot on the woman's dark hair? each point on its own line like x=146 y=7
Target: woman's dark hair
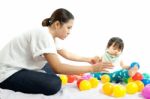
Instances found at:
x=117 y=42
x=61 y=15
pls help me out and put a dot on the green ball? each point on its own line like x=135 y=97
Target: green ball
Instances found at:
x=146 y=76
x=125 y=80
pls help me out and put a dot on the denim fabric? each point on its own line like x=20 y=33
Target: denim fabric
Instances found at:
x=33 y=82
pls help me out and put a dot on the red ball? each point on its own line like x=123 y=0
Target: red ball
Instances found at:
x=78 y=82
x=137 y=76
x=71 y=78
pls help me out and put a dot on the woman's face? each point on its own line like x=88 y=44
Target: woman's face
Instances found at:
x=64 y=30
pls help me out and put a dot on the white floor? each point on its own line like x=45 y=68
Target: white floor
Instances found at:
x=69 y=91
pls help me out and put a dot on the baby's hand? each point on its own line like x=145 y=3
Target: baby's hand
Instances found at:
x=102 y=67
x=95 y=60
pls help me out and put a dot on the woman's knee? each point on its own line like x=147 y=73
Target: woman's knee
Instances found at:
x=53 y=86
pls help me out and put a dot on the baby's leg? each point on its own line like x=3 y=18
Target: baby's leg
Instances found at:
x=119 y=76
x=97 y=75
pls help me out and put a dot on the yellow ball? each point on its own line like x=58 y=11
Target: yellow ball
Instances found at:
x=140 y=85
x=105 y=78
x=130 y=80
x=94 y=82
x=131 y=88
x=107 y=88
x=64 y=79
x=84 y=85
x=119 y=91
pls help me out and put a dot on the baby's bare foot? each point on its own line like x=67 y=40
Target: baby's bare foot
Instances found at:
x=132 y=71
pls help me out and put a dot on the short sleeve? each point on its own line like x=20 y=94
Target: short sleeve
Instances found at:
x=42 y=42
x=59 y=44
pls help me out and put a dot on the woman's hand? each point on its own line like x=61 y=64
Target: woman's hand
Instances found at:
x=102 y=66
x=94 y=60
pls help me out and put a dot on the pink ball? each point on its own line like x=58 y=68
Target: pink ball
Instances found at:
x=146 y=92
x=86 y=77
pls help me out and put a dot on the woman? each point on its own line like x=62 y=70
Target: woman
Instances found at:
x=23 y=58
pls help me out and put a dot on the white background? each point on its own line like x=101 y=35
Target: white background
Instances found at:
x=95 y=22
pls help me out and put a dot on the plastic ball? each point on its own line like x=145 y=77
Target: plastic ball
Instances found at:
x=78 y=82
x=146 y=81
x=146 y=92
x=87 y=76
x=131 y=88
x=107 y=88
x=105 y=78
x=140 y=85
x=94 y=82
x=125 y=80
x=96 y=75
x=84 y=85
x=130 y=79
x=134 y=64
x=119 y=91
x=64 y=79
x=71 y=78
x=137 y=76
x=146 y=76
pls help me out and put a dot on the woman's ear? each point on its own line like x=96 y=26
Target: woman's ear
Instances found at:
x=57 y=24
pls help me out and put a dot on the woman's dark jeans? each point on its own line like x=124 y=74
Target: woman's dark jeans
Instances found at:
x=33 y=82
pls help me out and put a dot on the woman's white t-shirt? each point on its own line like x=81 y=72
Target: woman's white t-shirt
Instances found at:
x=26 y=51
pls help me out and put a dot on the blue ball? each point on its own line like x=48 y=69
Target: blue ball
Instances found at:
x=134 y=63
x=146 y=81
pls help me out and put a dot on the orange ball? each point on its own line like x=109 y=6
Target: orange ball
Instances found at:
x=137 y=76
x=107 y=88
x=105 y=78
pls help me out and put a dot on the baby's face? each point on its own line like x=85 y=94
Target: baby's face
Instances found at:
x=114 y=51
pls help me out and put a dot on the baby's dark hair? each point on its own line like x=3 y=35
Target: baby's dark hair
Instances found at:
x=117 y=42
x=62 y=15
